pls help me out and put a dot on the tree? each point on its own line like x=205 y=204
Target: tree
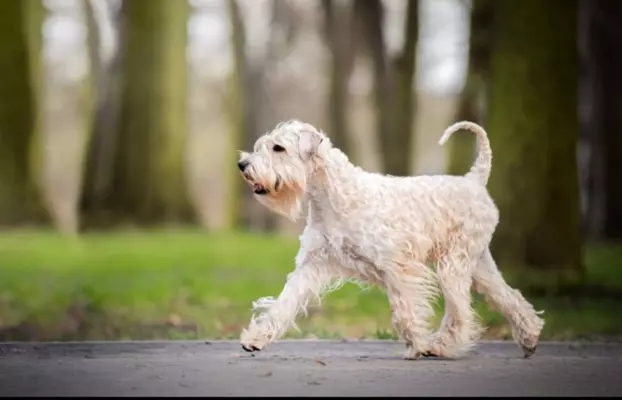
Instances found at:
x=148 y=176
x=533 y=127
x=461 y=149
x=103 y=132
x=236 y=110
x=393 y=83
x=340 y=42
x=250 y=110
x=602 y=104
x=21 y=112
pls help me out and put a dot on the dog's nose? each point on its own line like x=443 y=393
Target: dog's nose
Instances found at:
x=242 y=165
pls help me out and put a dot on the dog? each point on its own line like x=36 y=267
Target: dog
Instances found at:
x=415 y=237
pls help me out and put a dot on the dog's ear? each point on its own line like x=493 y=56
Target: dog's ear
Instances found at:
x=309 y=142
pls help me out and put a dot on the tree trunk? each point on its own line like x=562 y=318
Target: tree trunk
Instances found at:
x=255 y=216
x=533 y=126
x=148 y=182
x=99 y=152
x=370 y=14
x=337 y=32
x=611 y=75
x=398 y=144
x=461 y=148
x=393 y=84
x=21 y=113
x=251 y=112
x=237 y=113
x=604 y=94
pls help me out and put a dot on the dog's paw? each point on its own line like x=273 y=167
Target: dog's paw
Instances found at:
x=529 y=351
x=413 y=353
x=252 y=342
x=528 y=343
x=251 y=346
x=436 y=348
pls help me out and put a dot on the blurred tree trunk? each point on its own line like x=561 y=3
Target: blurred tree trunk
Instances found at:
x=237 y=113
x=461 y=148
x=99 y=152
x=393 y=83
x=611 y=75
x=533 y=126
x=256 y=217
x=21 y=88
x=339 y=39
x=603 y=91
x=251 y=113
x=65 y=209
x=148 y=181
x=246 y=95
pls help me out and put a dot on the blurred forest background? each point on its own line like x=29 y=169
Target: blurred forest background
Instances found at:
x=122 y=212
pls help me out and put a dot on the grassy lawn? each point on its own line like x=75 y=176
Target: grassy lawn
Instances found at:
x=191 y=284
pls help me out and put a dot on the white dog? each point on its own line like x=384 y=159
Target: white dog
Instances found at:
x=408 y=235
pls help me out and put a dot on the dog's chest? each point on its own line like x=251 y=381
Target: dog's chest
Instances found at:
x=362 y=262
x=350 y=254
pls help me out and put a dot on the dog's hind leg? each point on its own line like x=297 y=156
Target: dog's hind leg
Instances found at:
x=459 y=328
x=410 y=290
x=524 y=320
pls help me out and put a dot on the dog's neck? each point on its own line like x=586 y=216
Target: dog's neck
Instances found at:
x=332 y=172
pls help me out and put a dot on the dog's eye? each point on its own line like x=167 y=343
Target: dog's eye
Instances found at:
x=278 y=149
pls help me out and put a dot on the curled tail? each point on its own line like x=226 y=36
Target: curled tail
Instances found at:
x=480 y=171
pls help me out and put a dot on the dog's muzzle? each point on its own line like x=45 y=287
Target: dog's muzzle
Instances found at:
x=257 y=188
x=262 y=190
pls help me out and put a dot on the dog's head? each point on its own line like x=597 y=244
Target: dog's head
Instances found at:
x=281 y=162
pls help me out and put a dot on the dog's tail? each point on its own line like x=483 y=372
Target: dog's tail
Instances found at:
x=480 y=171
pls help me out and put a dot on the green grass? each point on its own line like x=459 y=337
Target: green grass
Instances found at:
x=191 y=284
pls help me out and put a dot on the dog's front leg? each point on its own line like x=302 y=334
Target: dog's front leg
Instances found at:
x=305 y=283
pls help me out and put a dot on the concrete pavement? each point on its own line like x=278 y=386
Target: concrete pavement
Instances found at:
x=303 y=368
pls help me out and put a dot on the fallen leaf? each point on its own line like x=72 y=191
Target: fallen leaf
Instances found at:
x=173 y=320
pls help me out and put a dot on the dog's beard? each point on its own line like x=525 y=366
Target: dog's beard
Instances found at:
x=282 y=195
x=280 y=190
x=262 y=181
x=286 y=201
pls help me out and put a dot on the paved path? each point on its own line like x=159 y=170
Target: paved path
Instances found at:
x=303 y=368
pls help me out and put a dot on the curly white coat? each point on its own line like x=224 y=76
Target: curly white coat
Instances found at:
x=408 y=235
